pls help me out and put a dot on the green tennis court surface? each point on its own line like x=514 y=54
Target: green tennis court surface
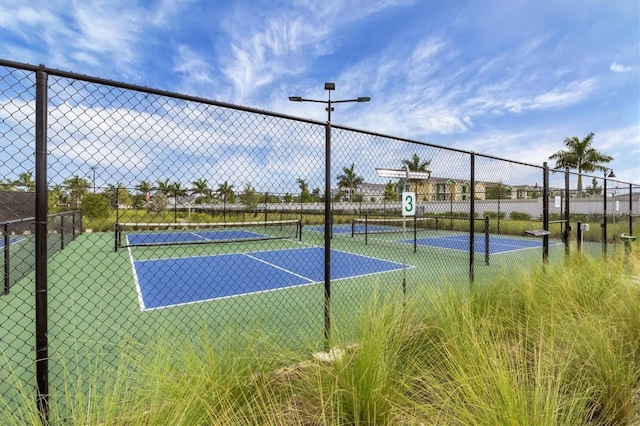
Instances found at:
x=95 y=298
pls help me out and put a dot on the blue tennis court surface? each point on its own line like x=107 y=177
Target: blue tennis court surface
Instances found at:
x=177 y=281
x=12 y=240
x=497 y=244
x=461 y=242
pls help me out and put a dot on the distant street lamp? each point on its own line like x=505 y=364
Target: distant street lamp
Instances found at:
x=327 y=200
x=93 y=168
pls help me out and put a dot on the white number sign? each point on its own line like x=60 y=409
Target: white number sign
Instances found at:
x=408 y=204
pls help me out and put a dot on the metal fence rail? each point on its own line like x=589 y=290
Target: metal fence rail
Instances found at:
x=176 y=167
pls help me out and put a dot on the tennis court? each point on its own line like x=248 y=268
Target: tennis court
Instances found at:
x=171 y=280
x=157 y=234
x=392 y=231
x=496 y=244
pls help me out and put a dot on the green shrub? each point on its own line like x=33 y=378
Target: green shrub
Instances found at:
x=520 y=216
x=495 y=215
x=96 y=206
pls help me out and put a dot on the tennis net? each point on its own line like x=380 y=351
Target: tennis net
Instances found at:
x=161 y=234
x=435 y=232
x=367 y=225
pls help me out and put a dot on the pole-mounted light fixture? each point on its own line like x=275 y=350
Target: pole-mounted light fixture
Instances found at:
x=327 y=201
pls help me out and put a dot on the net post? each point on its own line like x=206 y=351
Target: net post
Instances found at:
x=486 y=240
x=117 y=226
x=353 y=228
x=61 y=232
x=116 y=237
x=266 y=207
x=299 y=230
x=579 y=236
x=415 y=234
x=366 y=229
x=7 y=282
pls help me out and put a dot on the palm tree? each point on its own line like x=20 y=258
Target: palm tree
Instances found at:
x=57 y=196
x=26 y=180
x=416 y=165
x=350 y=180
x=77 y=187
x=581 y=155
x=7 y=185
x=201 y=187
x=177 y=190
x=164 y=187
x=145 y=188
x=225 y=193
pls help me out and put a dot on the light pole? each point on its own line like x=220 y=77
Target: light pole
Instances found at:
x=93 y=168
x=327 y=201
x=608 y=173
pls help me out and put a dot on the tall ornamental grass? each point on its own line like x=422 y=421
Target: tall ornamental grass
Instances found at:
x=555 y=346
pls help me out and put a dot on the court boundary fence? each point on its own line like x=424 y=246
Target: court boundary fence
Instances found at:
x=41 y=218
x=65 y=229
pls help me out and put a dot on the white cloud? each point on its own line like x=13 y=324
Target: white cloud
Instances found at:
x=194 y=66
x=275 y=48
x=616 y=67
x=573 y=93
x=286 y=40
x=86 y=37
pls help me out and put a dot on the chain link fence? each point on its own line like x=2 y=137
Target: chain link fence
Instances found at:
x=161 y=215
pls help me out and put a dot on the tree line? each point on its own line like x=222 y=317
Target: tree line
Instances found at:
x=579 y=154
x=78 y=192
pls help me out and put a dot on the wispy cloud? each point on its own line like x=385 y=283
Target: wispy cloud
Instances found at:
x=616 y=67
x=277 y=46
x=573 y=93
x=88 y=37
x=286 y=41
x=194 y=70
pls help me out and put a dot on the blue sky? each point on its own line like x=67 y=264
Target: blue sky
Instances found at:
x=505 y=78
